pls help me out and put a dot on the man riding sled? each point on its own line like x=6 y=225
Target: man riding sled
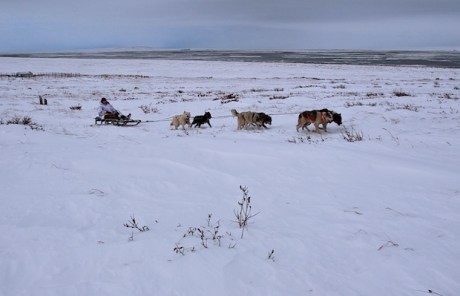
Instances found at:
x=107 y=111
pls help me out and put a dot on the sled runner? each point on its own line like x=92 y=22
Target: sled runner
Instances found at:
x=116 y=121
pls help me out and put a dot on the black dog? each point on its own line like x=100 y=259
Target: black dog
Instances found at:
x=202 y=119
x=264 y=119
x=336 y=117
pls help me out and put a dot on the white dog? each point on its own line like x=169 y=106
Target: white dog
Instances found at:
x=182 y=119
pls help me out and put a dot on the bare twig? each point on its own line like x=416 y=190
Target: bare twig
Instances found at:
x=396 y=139
x=356 y=212
x=243 y=214
x=352 y=135
x=271 y=256
x=429 y=292
x=133 y=224
x=208 y=235
x=388 y=244
x=131 y=238
x=179 y=249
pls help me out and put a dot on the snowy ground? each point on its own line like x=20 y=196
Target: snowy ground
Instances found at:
x=343 y=216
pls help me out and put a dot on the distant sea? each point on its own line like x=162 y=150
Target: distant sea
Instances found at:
x=442 y=59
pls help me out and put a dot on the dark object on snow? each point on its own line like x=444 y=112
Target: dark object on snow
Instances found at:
x=263 y=119
x=42 y=101
x=202 y=119
x=118 y=121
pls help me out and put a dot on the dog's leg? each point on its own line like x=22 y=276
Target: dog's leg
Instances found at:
x=317 y=128
x=298 y=125
x=240 y=122
x=247 y=124
x=209 y=124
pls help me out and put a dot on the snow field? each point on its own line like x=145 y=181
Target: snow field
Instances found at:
x=373 y=217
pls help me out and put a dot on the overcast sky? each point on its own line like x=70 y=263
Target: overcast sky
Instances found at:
x=60 y=25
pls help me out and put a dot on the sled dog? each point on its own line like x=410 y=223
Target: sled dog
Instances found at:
x=245 y=118
x=181 y=120
x=336 y=117
x=263 y=119
x=202 y=119
x=316 y=117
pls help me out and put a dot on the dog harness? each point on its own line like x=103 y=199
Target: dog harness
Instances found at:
x=322 y=115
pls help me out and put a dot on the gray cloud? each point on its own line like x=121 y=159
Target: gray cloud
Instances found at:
x=47 y=25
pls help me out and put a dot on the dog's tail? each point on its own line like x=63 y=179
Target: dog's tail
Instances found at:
x=234 y=112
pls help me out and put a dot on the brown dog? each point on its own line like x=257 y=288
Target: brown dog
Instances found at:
x=315 y=117
x=246 y=118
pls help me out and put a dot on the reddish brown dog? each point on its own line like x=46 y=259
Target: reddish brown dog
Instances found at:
x=315 y=117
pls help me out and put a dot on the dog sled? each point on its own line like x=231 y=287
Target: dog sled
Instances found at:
x=116 y=121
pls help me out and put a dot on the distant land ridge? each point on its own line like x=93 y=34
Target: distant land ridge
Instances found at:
x=429 y=58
